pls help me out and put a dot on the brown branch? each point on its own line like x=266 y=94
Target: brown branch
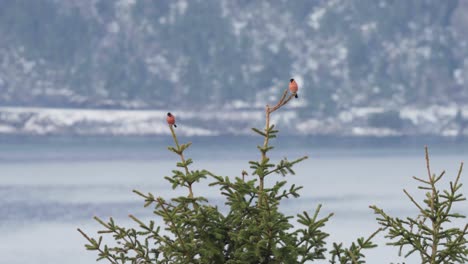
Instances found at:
x=431 y=181
x=268 y=110
x=244 y=173
x=282 y=102
x=459 y=174
x=433 y=217
x=427 y=162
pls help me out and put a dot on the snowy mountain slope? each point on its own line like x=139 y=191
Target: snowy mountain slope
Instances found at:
x=146 y=54
x=403 y=57
x=435 y=121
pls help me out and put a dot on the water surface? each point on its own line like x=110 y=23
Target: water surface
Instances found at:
x=49 y=187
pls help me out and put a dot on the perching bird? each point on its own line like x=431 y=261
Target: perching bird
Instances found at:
x=171 y=119
x=293 y=87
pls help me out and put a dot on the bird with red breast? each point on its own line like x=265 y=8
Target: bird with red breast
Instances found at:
x=293 y=87
x=171 y=119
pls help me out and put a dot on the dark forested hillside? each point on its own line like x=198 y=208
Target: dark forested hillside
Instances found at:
x=197 y=54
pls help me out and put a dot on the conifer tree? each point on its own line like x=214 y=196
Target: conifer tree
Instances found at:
x=253 y=230
x=432 y=234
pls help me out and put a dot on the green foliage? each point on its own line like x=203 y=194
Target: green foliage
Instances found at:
x=432 y=233
x=250 y=228
x=253 y=229
x=352 y=254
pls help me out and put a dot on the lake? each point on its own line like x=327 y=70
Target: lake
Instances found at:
x=50 y=186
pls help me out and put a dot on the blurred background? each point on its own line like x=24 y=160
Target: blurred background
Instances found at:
x=365 y=68
x=85 y=86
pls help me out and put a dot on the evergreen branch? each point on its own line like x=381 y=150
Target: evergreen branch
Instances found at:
x=353 y=253
x=180 y=152
x=421 y=180
x=459 y=174
x=431 y=180
x=434 y=243
x=433 y=199
x=397 y=230
x=256 y=130
x=453 y=189
x=446 y=253
x=286 y=165
x=368 y=240
x=416 y=203
x=173 y=226
x=96 y=246
x=129 y=237
x=269 y=133
x=428 y=167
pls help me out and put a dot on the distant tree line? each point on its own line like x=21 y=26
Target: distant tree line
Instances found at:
x=97 y=53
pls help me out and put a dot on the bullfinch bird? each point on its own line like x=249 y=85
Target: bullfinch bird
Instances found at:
x=171 y=119
x=293 y=87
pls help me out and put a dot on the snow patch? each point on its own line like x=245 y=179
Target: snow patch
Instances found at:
x=6 y=129
x=315 y=17
x=374 y=132
x=43 y=121
x=234 y=119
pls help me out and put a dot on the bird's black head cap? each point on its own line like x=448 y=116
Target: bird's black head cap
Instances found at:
x=291 y=80
x=169 y=114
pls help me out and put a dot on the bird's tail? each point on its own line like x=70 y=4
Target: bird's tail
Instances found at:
x=296 y=96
